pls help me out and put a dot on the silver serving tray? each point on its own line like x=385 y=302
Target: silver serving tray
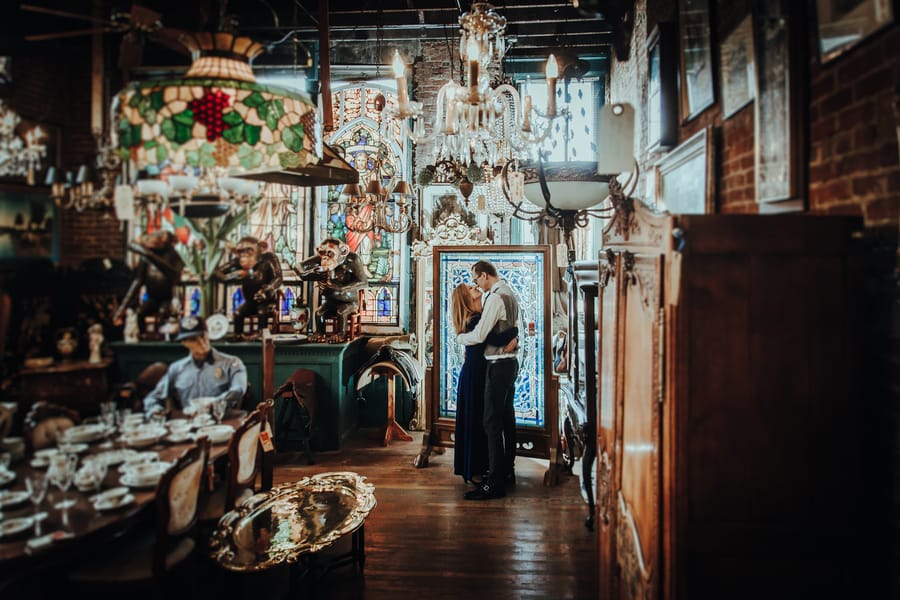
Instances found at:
x=292 y=520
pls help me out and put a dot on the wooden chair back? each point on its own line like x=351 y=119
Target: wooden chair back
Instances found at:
x=245 y=457
x=131 y=395
x=180 y=494
x=44 y=423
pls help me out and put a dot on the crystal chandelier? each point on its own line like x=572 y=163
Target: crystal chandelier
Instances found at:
x=20 y=155
x=476 y=123
x=91 y=187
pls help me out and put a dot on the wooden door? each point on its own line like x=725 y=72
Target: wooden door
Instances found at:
x=638 y=434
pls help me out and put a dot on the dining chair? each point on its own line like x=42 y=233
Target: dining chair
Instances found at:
x=158 y=558
x=244 y=476
x=131 y=394
x=44 y=423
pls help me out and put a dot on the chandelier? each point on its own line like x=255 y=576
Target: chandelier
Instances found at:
x=20 y=155
x=482 y=121
x=376 y=208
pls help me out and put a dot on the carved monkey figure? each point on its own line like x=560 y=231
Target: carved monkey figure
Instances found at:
x=159 y=270
x=339 y=274
x=260 y=275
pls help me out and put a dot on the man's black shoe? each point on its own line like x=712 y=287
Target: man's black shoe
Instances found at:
x=510 y=478
x=485 y=492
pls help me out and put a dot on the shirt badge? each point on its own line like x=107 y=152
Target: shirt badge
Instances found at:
x=219 y=373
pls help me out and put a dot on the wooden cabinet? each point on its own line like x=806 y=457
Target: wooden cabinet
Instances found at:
x=729 y=417
x=78 y=384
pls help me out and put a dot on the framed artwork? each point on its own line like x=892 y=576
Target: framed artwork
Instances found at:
x=662 y=94
x=527 y=270
x=845 y=23
x=696 y=58
x=777 y=119
x=738 y=78
x=684 y=177
x=28 y=226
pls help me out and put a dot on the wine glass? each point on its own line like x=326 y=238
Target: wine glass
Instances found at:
x=61 y=472
x=36 y=484
x=218 y=409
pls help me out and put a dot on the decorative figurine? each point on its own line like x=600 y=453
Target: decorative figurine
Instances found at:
x=260 y=275
x=132 y=332
x=95 y=343
x=158 y=271
x=66 y=342
x=339 y=275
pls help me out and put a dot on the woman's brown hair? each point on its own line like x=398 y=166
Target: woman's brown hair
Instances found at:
x=462 y=307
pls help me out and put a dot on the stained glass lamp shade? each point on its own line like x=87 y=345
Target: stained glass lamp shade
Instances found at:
x=216 y=121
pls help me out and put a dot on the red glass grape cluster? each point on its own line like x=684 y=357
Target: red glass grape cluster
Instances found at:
x=208 y=111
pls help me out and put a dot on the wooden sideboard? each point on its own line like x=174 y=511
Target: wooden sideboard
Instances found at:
x=334 y=365
x=78 y=384
x=729 y=434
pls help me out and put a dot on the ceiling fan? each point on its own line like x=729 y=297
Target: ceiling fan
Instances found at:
x=137 y=25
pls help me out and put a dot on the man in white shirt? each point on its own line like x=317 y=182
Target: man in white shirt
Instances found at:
x=500 y=313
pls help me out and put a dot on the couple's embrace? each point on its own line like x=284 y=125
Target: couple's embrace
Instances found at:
x=485 y=316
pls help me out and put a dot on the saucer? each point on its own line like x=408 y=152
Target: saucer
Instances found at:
x=113 y=502
x=6 y=477
x=11 y=527
x=13 y=498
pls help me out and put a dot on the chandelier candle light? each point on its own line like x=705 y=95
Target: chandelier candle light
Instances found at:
x=476 y=123
x=19 y=155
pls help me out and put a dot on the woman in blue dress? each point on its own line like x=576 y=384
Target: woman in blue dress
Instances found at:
x=470 y=459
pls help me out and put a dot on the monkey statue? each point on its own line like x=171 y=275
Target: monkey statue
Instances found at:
x=339 y=274
x=260 y=275
x=159 y=271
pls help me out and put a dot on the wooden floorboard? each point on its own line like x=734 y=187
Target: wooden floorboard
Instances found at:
x=424 y=539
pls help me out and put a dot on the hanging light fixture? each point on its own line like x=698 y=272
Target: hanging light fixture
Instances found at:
x=570 y=197
x=20 y=152
x=476 y=123
x=204 y=143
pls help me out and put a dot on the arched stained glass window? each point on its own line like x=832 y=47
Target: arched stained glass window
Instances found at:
x=287 y=301
x=196 y=301
x=384 y=255
x=237 y=298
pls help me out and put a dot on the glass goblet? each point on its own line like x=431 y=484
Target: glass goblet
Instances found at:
x=61 y=473
x=36 y=484
x=219 y=407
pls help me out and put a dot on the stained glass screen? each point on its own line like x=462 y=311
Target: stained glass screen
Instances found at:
x=526 y=273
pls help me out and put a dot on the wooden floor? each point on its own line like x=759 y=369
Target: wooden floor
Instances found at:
x=424 y=541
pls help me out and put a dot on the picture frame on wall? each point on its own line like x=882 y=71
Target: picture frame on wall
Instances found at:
x=778 y=127
x=738 y=68
x=662 y=89
x=842 y=24
x=685 y=183
x=697 y=86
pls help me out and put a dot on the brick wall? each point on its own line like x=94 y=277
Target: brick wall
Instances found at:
x=54 y=88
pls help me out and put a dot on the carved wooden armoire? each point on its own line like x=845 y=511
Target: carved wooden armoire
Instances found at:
x=728 y=412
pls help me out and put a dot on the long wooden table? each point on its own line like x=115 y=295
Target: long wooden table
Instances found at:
x=90 y=527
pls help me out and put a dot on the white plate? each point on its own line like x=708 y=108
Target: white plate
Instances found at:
x=217 y=434
x=85 y=433
x=178 y=438
x=110 y=493
x=114 y=502
x=73 y=448
x=217 y=325
x=113 y=457
x=45 y=453
x=6 y=477
x=14 y=526
x=134 y=483
x=13 y=498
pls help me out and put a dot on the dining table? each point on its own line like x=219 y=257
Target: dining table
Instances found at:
x=88 y=526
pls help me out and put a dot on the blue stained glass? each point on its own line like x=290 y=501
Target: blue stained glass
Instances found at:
x=288 y=301
x=384 y=303
x=237 y=298
x=524 y=271
x=196 y=297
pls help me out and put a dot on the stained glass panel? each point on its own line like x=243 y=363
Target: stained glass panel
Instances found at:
x=525 y=271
